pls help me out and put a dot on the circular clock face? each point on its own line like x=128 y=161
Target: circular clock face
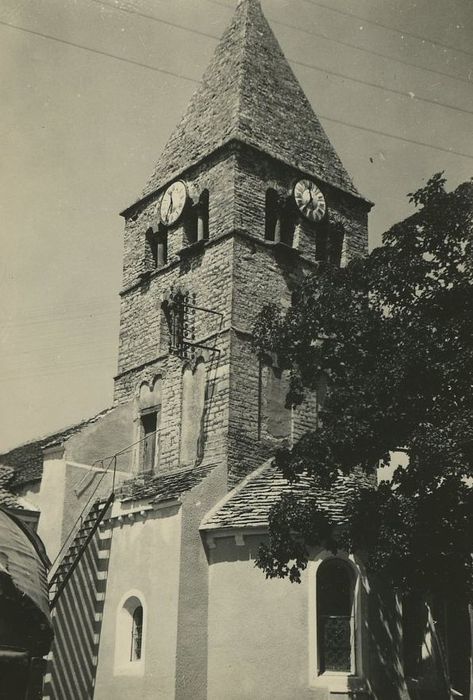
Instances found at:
x=310 y=200
x=173 y=202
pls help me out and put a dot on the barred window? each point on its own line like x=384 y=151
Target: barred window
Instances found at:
x=178 y=314
x=335 y=617
x=136 y=634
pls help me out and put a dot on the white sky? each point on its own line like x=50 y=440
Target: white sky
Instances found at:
x=80 y=132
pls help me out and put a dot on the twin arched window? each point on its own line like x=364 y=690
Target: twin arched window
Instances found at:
x=280 y=223
x=196 y=227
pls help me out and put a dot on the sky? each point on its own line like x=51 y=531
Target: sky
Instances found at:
x=90 y=92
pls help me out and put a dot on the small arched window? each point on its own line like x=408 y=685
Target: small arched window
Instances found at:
x=130 y=635
x=136 y=633
x=335 y=617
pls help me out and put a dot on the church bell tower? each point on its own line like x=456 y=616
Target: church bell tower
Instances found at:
x=246 y=198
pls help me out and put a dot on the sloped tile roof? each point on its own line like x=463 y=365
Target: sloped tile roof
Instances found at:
x=27 y=459
x=7 y=499
x=6 y=474
x=248 y=505
x=250 y=93
x=162 y=487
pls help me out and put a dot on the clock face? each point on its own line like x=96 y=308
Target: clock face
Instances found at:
x=173 y=202
x=310 y=200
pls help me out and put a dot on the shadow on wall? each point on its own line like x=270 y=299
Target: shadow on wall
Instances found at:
x=228 y=552
x=385 y=646
x=408 y=655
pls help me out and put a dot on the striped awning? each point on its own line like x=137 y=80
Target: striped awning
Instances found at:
x=23 y=562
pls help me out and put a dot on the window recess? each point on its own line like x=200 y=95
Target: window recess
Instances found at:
x=335 y=617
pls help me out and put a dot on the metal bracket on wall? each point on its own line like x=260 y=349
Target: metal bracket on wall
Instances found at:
x=180 y=311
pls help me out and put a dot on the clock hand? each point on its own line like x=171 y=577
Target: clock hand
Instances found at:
x=170 y=207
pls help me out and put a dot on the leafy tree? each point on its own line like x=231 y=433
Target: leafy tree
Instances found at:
x=393 y=334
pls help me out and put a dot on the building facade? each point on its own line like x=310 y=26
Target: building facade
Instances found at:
x=166 y=495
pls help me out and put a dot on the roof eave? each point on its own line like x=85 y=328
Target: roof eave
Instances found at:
x=125 y=213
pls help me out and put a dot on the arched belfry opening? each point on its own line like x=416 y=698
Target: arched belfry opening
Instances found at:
x=280 y=218
x=288 y=222
x=203 y=216
x=329 y=243
x=196 y=219
x=156 y=253
x=272 y=214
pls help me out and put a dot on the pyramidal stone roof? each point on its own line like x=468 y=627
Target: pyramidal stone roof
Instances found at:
x=250 y=93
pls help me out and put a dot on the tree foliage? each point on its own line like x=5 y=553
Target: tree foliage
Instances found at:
x=393 y=333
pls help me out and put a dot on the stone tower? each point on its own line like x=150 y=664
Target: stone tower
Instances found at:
x=217 y=234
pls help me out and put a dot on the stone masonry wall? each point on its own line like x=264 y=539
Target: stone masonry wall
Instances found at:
x=216 y=175
x=235 y=273
x=204 y=272
x=256 y=172
x=264 y=274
